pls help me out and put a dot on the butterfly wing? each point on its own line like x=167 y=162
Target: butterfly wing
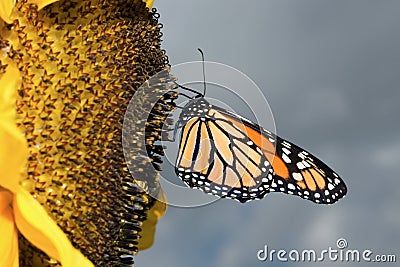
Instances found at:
x=218 y=158
x=229 y=156
x=295 y=171
x=307 y=176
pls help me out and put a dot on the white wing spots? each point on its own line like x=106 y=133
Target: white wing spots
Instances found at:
x=330 y=186
x=206 y=189
x=337 y=181
x=286 y=158
x=286 y=144
x=271 y=140
x=291 y=186
x=300 y=165
x=266 y=163
x=303 y=155
x=286 y=151
x=327 y=192
x=317 y=195
x=297 y=176
x=280 y=182
x=250 y=143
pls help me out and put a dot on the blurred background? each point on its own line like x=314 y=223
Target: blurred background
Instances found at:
x=330 y=72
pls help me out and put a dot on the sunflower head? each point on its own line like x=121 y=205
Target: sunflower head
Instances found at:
x=80 y=63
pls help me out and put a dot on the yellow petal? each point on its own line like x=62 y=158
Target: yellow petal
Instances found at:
x=34 y=223
x=149 y=225
x=149 y=3
x=160 y=208
x=6 y=7
x=8 y=231
x=13 y=147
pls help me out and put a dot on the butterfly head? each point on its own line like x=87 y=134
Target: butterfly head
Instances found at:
x=197 y=107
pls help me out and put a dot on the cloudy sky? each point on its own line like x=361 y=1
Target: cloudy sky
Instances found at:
x=330 y=72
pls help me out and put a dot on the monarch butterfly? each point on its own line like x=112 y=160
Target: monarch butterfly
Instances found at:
x=229 y=156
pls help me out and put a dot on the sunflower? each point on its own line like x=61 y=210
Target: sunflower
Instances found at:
x=67 y=71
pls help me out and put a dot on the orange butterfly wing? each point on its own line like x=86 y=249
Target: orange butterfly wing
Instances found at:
x=230 y=156
x=222 y=164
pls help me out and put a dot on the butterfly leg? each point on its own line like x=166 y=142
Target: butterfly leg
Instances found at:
x=165 y=136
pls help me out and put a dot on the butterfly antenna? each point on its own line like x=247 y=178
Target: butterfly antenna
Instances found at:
x=204 y=73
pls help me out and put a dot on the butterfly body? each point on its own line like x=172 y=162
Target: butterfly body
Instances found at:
x=229 y=156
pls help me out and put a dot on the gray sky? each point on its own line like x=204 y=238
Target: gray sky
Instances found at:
x=330 y=71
